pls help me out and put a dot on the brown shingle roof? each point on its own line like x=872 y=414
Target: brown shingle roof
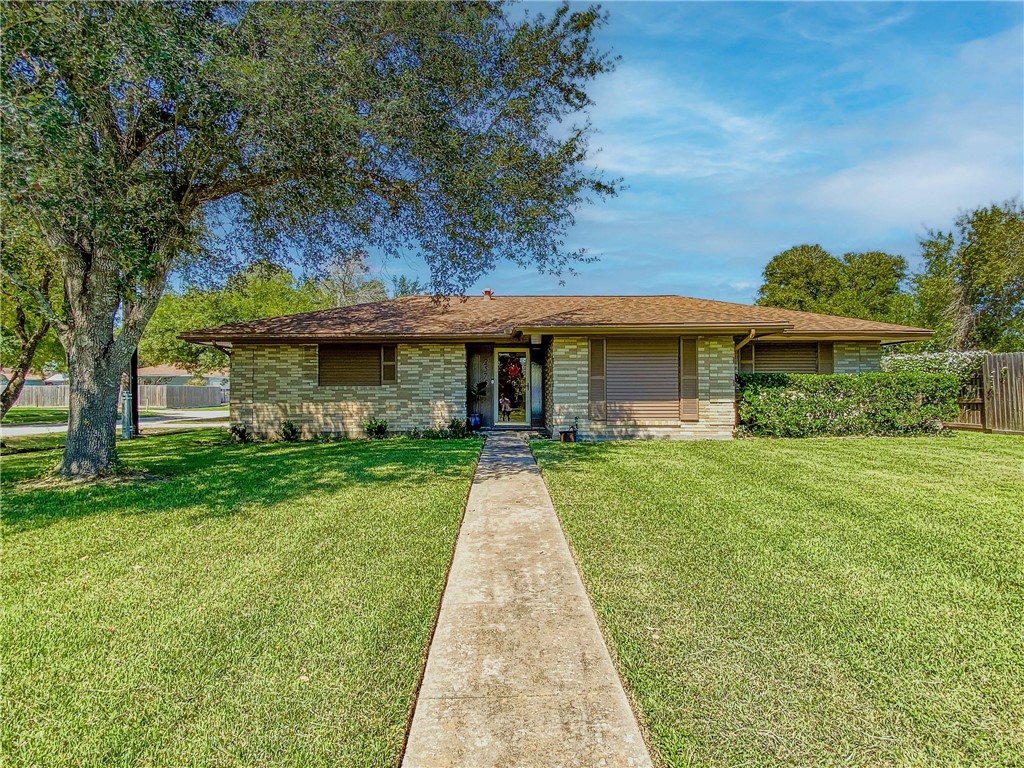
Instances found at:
x=503 y=317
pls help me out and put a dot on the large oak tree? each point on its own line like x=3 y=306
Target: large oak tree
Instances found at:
x=134 y=132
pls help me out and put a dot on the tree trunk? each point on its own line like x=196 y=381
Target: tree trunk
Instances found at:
x=92 y=406
x=97 y=357
x=26 y=354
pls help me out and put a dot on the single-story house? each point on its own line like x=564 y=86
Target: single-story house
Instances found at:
x=615 y=366
x=174 y=375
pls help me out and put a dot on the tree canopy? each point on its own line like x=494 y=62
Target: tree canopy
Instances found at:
x=970 y=290
x=810 y=279
x=135 y=135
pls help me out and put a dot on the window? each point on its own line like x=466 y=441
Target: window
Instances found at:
x=388 y=365
x=787 y=357
x=643 y=380
x=357 y=365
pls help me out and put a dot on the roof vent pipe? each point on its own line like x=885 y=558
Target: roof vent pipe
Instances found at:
x=488 y=293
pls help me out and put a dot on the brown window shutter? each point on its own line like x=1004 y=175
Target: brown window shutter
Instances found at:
x=826 y=357
x=598 y=381
x=349 y=365
x=689 y=406
x=388 y=364
x=786 y=357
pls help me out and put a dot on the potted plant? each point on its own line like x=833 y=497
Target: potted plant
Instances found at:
x=476 y=393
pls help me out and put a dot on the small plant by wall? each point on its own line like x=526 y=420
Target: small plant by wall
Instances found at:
x=376 y=429
x=455 y=430
x=808 y=405
x=289 y=432
x=240 y=433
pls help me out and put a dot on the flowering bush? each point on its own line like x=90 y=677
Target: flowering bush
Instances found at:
x=810 y=405
x=964 y=365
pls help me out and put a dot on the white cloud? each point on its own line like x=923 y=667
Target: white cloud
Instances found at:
x=652 y=124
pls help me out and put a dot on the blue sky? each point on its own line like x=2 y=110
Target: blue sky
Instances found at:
x=741 y=129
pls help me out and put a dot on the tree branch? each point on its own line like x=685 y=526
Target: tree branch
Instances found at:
x=41 y=299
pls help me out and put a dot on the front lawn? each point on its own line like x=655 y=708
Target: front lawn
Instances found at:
x=242 y=605
x=28 y=415
x=809 y=602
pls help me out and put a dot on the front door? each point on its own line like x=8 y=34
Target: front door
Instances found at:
x=512 y=393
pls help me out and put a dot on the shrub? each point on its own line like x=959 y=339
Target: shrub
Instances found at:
x=964 y=365
x=289 y=432
x=240 y=433
x=376 y=428
x=808 y=405
x=458 y=428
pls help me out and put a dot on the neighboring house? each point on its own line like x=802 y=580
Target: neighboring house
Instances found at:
x=56 y=380
x=31 y=379
x=176 y=375
x=618 y=366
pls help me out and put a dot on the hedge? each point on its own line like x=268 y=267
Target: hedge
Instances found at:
x=845 y=404
x=965 y=365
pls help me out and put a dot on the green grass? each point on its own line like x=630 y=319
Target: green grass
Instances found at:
x=249 y=605
x=27 y=415
x=809 y=602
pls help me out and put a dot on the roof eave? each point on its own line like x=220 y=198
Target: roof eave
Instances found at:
x=338 y=338
x=667 y=329
x=894 y=336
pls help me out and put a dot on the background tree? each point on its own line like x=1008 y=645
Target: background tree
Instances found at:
x=866 y=285
x=804 y=277
x=873 y=288
x=260 y=290
x=27 y=341
x=406 y=286
x=308 y=128
x=972 y=288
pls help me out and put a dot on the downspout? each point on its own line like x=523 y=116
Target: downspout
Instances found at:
x=750 y=338
x=736 y=363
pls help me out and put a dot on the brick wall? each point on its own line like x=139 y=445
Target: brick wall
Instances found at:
x=272 y=383
x=569 y=394
x=857 y=357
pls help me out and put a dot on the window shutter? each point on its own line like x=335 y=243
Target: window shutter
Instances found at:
x=826 y=357
x=349 y=365
x=689 y=407
x=598 y=381
x=786 y=357
x=388 y=365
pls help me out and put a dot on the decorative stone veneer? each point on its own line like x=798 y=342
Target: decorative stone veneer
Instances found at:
x=857 y=357
x=273 y=383
x=569 y=399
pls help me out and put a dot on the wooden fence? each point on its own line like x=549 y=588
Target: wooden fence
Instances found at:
x=171 y=396
x=44 y=396
x=150 y=396
x=994 y=400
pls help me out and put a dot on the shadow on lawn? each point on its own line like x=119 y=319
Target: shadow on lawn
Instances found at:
x=220 y=479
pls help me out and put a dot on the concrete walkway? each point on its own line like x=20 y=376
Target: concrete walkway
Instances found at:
x=518 y=673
